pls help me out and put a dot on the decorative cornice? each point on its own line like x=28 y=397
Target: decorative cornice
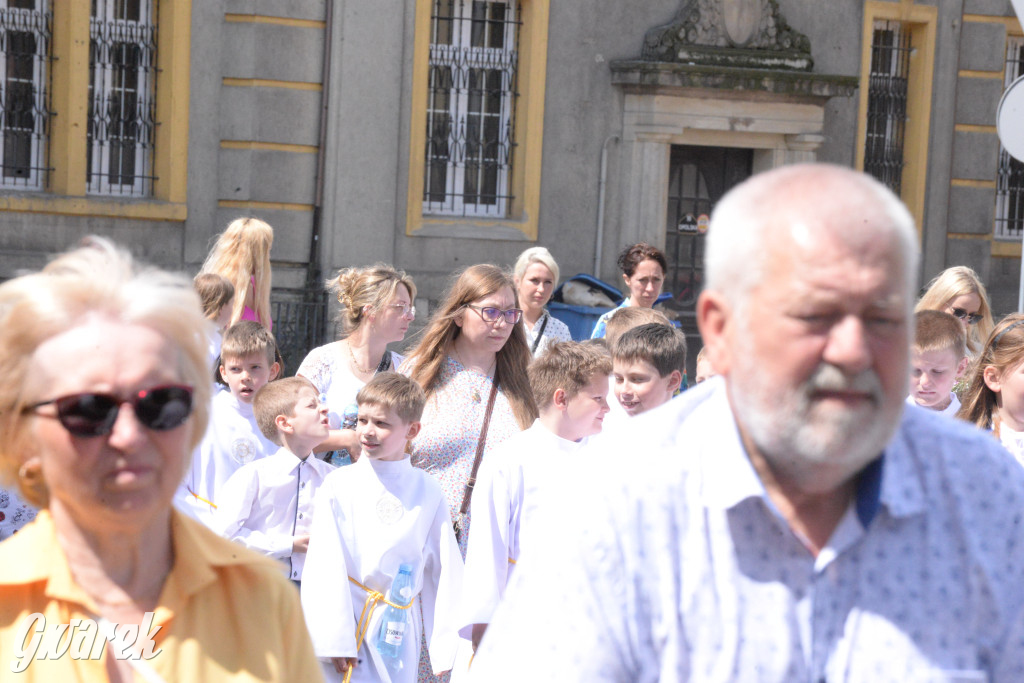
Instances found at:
x=740 y=33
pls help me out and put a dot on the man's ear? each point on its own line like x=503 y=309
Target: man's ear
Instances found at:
x=414 y=429
x=716 y=320
x=992 y=378
x=284 y=424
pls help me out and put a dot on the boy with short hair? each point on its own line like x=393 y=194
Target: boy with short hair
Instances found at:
x=648 y=363
x=937 y=360
x=267 y=505
x=369 y=519
x=570 y=387
x=703 y=369
x=232 y=438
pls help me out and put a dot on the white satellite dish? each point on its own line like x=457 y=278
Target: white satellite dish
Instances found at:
x=1010 y=119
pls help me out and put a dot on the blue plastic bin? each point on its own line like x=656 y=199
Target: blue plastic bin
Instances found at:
x=581 y=319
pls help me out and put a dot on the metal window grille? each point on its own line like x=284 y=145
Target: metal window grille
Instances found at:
x=25 y=31
x=472 y=94
x=887 y=103
x=1009 y=214
x=122 y=89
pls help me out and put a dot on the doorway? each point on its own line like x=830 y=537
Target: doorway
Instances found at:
x=697 y=178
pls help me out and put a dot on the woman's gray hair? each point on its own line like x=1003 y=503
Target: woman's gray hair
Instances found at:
x=798 y=199
x=98 y=278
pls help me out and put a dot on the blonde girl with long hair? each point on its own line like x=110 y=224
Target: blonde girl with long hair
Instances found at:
x=242 y=255
x=995 y=397
x=960 y=292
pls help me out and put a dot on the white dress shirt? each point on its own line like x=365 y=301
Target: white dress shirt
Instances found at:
x=267 y=503
x=673 y=565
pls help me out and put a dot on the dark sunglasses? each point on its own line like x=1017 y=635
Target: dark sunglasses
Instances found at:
x=490 y=314
x=969 y=318
x=93 y=414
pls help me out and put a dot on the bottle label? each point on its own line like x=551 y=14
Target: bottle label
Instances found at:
x=394 y=633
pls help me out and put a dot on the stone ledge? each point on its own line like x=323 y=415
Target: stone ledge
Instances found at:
x=646 y=77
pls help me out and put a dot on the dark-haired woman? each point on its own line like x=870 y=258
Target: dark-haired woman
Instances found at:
x=643 y=270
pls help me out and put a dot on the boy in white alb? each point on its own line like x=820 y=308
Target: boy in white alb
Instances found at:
x=937 y=360
x=570 y=387
x=370 y=518
x=233 y=438
x=267 y=505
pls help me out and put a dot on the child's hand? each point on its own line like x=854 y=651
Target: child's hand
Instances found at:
x=343 y=664
x=300 y=544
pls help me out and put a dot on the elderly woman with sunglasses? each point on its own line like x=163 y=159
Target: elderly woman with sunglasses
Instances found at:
x=960 y=292
x=104 y=391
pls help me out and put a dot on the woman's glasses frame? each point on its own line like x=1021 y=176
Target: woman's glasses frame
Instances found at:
x=94 y=413
x=491 y=314
x=969 y=318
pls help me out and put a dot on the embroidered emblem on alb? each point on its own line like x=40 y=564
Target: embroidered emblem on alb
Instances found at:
x=389 y=508
x=243 y=451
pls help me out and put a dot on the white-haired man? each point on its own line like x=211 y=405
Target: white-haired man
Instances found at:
x=787 y=521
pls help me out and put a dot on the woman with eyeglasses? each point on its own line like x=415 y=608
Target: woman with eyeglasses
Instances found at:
x=376 y=310
x=104 y=392
x=473 y=346
x=960 y=292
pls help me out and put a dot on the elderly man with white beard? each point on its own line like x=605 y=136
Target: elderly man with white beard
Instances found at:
x=788 y=520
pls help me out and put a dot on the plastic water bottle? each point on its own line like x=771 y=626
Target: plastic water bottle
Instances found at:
x=349 y=416
x=395 y=621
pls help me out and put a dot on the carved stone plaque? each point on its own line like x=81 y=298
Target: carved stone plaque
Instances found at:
x=741 y=19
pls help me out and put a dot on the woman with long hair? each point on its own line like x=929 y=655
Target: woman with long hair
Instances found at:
x=242 y=255
x=960 y=292
x=376 y=310
x=474 y=344
x=643 y=271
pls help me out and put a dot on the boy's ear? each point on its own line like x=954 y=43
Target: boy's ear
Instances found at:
x=283 y=424
x=559 y=399
x=274 y=370
x=962 y=367
x=715 y=320
x=414 y=429
x=992 y=378
x=675 y=378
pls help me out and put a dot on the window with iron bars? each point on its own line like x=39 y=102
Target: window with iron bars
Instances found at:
x=887 y=103
x=472 y=94
x=1009 y=214
x=122 y=97
x=25 y=32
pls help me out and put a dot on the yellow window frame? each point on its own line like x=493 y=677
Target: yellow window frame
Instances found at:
x=66 y=190
x=921 y=19
x=529 y=131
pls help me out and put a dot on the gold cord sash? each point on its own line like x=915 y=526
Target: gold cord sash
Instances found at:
x=373 y=598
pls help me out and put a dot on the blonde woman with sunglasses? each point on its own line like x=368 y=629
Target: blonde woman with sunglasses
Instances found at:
x=960 y=292
x=104 y=392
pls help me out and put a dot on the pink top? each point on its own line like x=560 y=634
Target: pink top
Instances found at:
x=250 y=314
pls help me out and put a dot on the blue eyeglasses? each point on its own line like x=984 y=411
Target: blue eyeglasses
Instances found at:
x=491 y=314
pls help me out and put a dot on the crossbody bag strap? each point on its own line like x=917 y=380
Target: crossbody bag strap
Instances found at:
x=540 y=333
x=468 y=493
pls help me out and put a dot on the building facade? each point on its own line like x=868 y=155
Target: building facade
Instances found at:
x=434 y=134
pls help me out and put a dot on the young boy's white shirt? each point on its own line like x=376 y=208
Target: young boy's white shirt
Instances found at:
x=369 y=518
x=232 y=439
x=266 y=503
x=511 y=485
x=950 y=410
